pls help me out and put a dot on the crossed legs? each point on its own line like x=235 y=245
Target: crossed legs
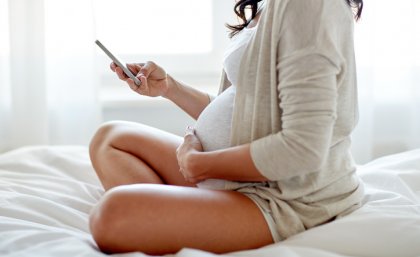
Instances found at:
x=149 y=207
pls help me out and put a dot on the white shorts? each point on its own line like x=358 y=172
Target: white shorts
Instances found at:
x=268 y=218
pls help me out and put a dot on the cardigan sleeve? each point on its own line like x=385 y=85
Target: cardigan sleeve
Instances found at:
x=309 y=65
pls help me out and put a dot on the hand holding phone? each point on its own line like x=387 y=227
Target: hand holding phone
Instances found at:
x=118 y=63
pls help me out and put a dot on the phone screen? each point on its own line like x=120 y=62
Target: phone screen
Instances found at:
x=118 y=63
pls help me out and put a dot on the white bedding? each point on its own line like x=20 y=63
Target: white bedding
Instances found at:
x=46 y=194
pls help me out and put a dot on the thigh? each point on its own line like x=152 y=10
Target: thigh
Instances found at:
x=155 y=147
x=160 y=219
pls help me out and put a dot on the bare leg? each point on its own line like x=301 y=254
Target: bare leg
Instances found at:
x=127 y=153
x=162 y=219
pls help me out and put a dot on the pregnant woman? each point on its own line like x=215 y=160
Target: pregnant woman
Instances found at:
x=268 y=157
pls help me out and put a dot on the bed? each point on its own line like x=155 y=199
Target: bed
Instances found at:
x=46 y=193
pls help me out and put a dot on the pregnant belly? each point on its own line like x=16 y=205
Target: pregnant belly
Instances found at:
x=213 y=126
x=213 y=129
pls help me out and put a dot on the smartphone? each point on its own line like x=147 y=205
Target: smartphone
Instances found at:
x=118 y=63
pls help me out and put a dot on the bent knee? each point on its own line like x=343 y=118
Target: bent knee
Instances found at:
x=105 y=136
x=119 y=215
x=107 y=218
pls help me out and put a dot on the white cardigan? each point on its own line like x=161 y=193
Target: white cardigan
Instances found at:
x=296 y=102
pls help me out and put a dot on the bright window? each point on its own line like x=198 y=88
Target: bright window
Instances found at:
x=155 y=27
x=186 y=37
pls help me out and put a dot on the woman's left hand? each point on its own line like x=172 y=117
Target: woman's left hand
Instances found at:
x=186 y=153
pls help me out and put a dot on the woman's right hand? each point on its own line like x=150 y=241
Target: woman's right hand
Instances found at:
x=154 y=79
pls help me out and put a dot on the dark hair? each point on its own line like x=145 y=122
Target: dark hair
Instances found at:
x=239 y=10
x=357 y=5
x=242 y=5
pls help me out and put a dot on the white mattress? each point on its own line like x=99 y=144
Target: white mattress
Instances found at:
x=46 y=194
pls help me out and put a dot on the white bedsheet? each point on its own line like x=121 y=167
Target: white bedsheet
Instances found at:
x=47 y=192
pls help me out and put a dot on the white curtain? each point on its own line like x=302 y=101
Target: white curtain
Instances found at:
x=388 y=59
x=48 y=90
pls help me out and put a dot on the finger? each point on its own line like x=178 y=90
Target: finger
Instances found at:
x=186 y=178
x=143 y=81
x=113 y=66
x=120 y=73
x=144 y=86
x=141 y=64
x=132 y=85
x=179 y=155
x=134 y=68
x=193 y=142
x=147 y=69
x=192 y=180
x=190 y=141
